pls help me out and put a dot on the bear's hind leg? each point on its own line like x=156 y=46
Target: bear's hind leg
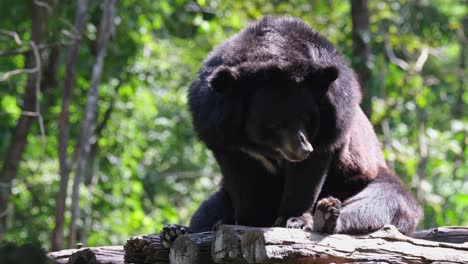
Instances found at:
x=379 y=204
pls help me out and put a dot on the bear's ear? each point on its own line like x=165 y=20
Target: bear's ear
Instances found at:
x=223 y=78
x=327 y=75
x=321 y=78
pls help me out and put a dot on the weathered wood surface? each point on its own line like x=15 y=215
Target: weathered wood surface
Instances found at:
x=226 y=246
x=240 y=244
x=278 y=245
x=148 y=249
x=93 y=255
x=451 y=234
x=62 y=256
x=192 y=249
x=145 y=249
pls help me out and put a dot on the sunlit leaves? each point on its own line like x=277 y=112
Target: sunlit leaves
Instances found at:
x=10 y=107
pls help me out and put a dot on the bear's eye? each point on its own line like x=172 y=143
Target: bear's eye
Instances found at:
x=305 y=118
x=273 y=126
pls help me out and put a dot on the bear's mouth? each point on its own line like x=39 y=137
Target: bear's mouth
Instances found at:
x=293 y=157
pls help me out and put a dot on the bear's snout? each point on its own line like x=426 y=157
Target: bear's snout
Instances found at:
x=296 y=147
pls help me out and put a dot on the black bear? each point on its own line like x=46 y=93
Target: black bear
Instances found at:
x=279 y=108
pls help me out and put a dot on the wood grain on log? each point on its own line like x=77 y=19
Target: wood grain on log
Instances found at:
x=148 y=249
x=61 y=257
x=190 y=249
x=226 y=245
x=145 y=249
x=93 y=255
x=240 y=244
x=451 y=234
x=279 y=245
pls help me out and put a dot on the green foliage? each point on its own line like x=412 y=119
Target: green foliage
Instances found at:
x=148 y=168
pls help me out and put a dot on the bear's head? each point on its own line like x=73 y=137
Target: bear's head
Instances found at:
x=281 y=104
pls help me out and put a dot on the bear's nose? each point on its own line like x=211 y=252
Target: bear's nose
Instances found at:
x=305 y=146
x=296 y=147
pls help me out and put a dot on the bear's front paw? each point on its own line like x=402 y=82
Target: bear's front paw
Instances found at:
x=279 y=222
x=171 y=232
x=326 y=215
x=303 y=222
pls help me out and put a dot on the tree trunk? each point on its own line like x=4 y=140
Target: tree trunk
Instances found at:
x=87 y=127
x=19 y=136
x=49 y=81
x=459 y=109
x=64 y=124
x=361 y=49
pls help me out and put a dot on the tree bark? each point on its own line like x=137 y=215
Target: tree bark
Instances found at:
x=241 y=244
x=227 y=246
x=272 y=245
x=94 y=255
x=18 y=143
x=361 y=49
x=450 y=234
x=87 y=127
x=64 y=124
x=146 y=249
x=187 y=250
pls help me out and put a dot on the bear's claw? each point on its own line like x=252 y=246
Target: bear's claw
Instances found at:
x=171 y=232
x=303 y=222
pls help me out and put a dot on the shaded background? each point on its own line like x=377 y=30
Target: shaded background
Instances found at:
x=125 y=150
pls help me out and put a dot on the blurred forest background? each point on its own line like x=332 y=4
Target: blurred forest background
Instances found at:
x=96 y=142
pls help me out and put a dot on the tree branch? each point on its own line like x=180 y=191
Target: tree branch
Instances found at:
x=39 y=47
x=421 y=59
x=12 y=34
x=392 y=57
x=38 y=113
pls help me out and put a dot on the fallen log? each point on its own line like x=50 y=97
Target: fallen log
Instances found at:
x=278 y=245
x=240 y=244
x=92 y=255
x=146 y=249
x=190 y=248
x=451 y=234
x=62 y=256
x=226 y=247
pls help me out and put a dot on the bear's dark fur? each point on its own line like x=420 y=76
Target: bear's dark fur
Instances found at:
x=279 y=108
